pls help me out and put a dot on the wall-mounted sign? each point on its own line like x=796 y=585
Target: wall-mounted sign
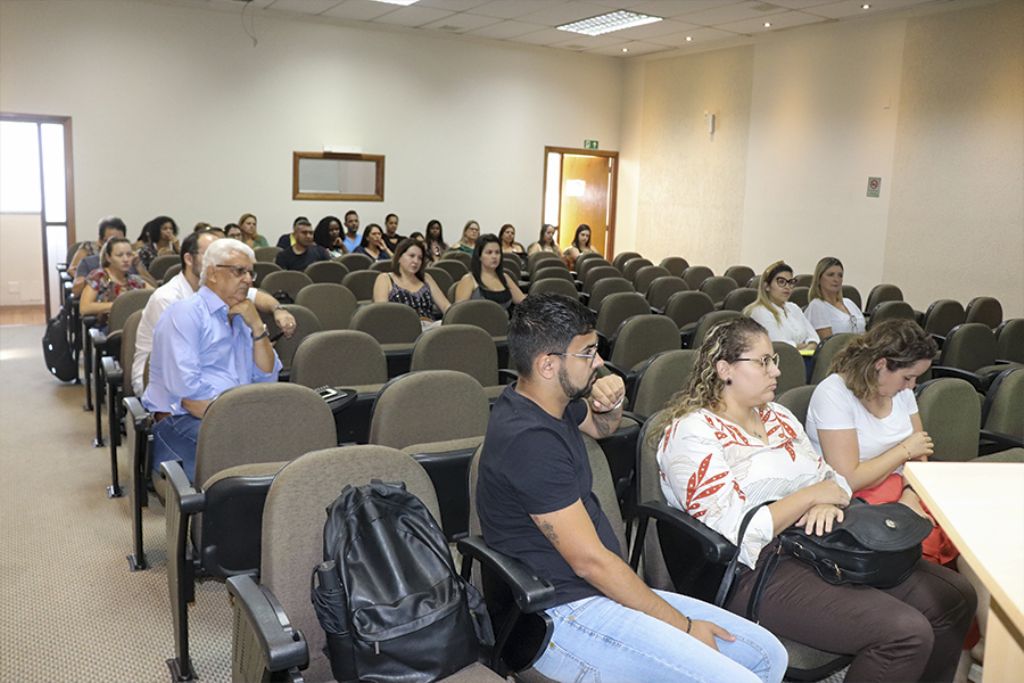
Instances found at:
x=874 y=186
x=590 y=144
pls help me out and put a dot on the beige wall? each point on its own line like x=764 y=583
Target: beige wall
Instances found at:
x=21 y=259
x=956 y=220
x=934 y=105
x=176 y=112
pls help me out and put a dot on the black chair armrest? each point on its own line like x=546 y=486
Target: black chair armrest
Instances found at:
x=615 y=370
x=1001 y=439
x=190 y=501
x=506 y=375
x=282 y=646
x=112 y=371
x=939 y=339
x=717 y=548
x=977 y=381
x=140 y=417
x=584 y=298
x=98 y=338
x=531 y=593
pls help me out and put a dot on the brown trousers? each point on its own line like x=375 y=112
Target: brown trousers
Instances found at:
x=913 y=632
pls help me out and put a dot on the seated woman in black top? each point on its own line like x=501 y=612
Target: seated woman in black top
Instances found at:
x=487 y=278
x=408 y=284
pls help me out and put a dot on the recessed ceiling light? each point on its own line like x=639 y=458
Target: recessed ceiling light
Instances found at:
x=865 y=6
x=606 y=23
x=767 y=24
x=689 y=39
x=625 y=49
x=403 y=3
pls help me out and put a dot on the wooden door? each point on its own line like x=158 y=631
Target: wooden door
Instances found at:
x=580 y=188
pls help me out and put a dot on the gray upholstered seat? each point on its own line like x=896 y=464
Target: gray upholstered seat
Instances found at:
x=360 y=282
x=643 y=278
x=306 y=323
x=792 y=366
x=596 y=274
x=640 y=337
x=942 y=316
x=554 y=286
x=620 y=259
x=891 y=310
x=333 y=304
x=455 y=268
x=266 y=254
x=332 y=272
x=717 y=287
x=738 y=299
x=985 y=310
x=696 y=275
x=687 y=307
x=606 y=287
x=676 y=265
x=462 y=348
x=616 y=308
x=633 y=265
x=797 y=399
x=706 y=322
x=880 y=294
x=826 y=352
x=661 y=378
x=288 y=281
x=661 y=288
x=355 y=262
x=741 y=274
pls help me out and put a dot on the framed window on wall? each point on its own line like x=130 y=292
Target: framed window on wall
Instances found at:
x=335 y=176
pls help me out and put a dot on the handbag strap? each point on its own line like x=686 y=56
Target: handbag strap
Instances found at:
x=730 y=570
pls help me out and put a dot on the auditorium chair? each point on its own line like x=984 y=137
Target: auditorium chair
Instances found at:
x=800 y=295
x=535 y=260
x=826 y=352
x=261 y=269
x=686 y=309
x=361 y=282
x=589 y=256
x=636 y=340
x=118 y=373
x=659 y=379
x=347 y=359
x=266 y=254
x=941 y=317
x=276 y=633
x=333 y=304
x=455 y=269
x=285 y=282
x=1002 y=413
x=441 y=277
x=331 y=272
x=619 y=260
x=853 y=294
x=704 y=325
x=606 y=287
x=891 y=310
x=675 y=265
x=462 y=348
x=355 y=261
x=717 y=287
x=792 y=367
x=984 y=310
x=598 y=273
x=395 y=326
x=1010 y=340
x=741 y=274
x=439 y=417
x=804 y=280
x=969 y=353
x=548 y=272
x=461 y=256
x=170 y=273
x=684 y=555
x=555 y=286
x=484 y=314
x=797 y=400
x=951 y=414
x=159 y=265
x=738 y=299
x=583 y=267
x=643 y=278
x=695 y=275
x=213 y=525
x=880 y=294
x=382 y=266
x=450 y=292
x=513 y=267
x=306 y=323
x=614 y=309
x=631 y=267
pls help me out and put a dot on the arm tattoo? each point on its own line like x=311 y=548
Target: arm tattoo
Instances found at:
x=548 y=530
x=606 y=423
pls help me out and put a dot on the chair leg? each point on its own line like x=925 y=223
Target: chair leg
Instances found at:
x=98 y=381
x=138 y=498
x=87 y=370
x=114 y=434
x=181 y=584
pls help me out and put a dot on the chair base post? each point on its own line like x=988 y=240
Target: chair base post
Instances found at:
x=98 y=442
x=137 y=563
x=179 y=675
x=114 y=491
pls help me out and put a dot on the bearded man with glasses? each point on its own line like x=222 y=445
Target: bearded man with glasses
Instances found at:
x=536 y=503
x=203 y=346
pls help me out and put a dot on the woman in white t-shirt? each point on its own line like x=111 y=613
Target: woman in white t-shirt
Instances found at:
x=828 y=311
x=783 y=320
x=729 y=449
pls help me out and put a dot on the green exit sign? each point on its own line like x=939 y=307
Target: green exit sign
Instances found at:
x=590 y=144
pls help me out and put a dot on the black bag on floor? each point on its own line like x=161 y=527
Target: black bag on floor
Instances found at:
x=57 y=351
x=388 y=595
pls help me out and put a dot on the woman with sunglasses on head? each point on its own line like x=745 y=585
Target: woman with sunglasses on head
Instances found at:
x=783 y=320
x=728 y=449
x=828 y=311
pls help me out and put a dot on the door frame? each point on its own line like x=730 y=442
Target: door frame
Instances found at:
x=69 y=189
x=609 y=243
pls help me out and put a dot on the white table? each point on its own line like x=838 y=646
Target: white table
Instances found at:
x=980 y=506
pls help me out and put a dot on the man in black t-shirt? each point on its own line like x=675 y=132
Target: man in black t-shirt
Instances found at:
x=535 y=503
x=304 y=251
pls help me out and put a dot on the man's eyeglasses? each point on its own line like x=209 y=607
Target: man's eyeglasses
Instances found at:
x=238 y=271
x=783 y=282
x=766 y=361
x=589 y=357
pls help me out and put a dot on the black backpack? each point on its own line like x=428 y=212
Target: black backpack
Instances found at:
x=56 y=349
x=388 y=595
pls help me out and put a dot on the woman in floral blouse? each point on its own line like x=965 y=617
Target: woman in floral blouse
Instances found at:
x=105 y=284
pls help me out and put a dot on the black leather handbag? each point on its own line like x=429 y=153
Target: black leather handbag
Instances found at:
x=874 y=545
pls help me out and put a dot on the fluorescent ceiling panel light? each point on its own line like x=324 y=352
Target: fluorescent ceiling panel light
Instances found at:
x=606 y=23
x=403 y=3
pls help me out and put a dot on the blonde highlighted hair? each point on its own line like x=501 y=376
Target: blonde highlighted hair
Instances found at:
x=819 y=270
x=900 y=342
x=762 y=290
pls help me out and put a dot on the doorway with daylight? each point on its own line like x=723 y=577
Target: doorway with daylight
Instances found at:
x=580 y=186
x=37 y=216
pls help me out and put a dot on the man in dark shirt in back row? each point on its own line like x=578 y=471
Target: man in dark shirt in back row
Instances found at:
x=304 y=251
x=535 y=501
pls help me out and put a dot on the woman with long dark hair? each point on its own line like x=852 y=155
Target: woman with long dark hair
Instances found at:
x=487 y=278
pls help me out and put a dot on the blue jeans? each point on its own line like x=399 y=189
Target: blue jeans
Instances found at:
x=598 y=639
x=174 y=438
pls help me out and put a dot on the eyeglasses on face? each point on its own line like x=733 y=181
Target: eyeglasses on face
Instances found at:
x=238 y=271
x=767 y=362
x=589 y=356
x=783 y=282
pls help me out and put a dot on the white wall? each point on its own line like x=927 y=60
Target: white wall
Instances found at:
x=21 y=259
x=174 y=111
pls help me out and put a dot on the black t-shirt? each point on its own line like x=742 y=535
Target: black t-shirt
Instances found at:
x=533 y=464
x=393 y=240
x=289 y=260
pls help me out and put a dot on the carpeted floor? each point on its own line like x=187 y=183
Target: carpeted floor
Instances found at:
x=69 y=608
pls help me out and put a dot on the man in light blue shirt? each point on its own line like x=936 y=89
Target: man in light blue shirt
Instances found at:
x=351 y=238
x=203 y=346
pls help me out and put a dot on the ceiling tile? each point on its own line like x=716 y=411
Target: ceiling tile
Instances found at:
x=503 y=9
x=852 y=8
x=360 y=10
x=701 y=36
x=635 y=47
x=304 y=6
x=576 y=41
x=545 y=37
x=453 y=5
x=661 y=28
x=506 y=29
x=556 y=15
x=803 y=4
x=784 y=20
x=413 y=16
x=676 y=8
x=461 y=23
x=721 y=14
